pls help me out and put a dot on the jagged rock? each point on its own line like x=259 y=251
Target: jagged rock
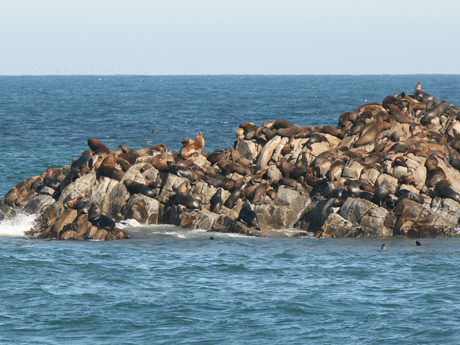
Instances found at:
x=370 y=176
x=151 y=174
x=38 y=203
x=454 y=130
x=115 y=200
x=298 y=147
x=414 y=220
x=71 y=235
x=352 y=171
x=26 y=188
x=420 y=176
x=399 y=171
x=47 y=191
x=335 y=226
x=51 y=214
x=143 y=209
x=134 y=173
x=100 y=190
x=273 y=173
x=80 y=187
x=315 y=215
x=267 y=151
x=120 y=234
x=277 y=153
x=197 y=219
x=248 y=149
x=448 y=209
x=367 y=215
x=66 y=218
x=392 y=182
x=7 y=212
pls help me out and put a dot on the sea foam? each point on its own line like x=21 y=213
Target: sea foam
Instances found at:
x=16 y=226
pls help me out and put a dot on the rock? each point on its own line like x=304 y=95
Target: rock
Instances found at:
x=276 y=155
x=71 y=235
x=49 y=216
x=248 y=149
x=449 y=210
x=100 y=191
x=314 y=216
x=143 y=209
x=267 y=151
x=399 y=171
x=454 y=130
x=38 y=203
x=420 y=176
x=120 y=234
x=335 y=226
x=7 y=212
x=352 y=171
x=66 y=218
x=115 y=201
x=273 y=173
x=370 y=176
x=367 y=215
x=80 y=187
x=392 y=182
x=151 y=174
x=197 y=219
x=414 y=220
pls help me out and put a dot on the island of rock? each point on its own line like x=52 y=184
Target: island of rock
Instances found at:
x=386 y=169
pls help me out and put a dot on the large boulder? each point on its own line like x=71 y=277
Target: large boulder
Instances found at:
x=143 y=209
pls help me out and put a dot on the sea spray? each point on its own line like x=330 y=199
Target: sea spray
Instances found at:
x=16 y=226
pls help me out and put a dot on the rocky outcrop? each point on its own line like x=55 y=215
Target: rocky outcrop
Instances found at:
x=389 y=168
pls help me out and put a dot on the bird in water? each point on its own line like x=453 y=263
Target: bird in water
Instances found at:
x=153 y=130
x=418 y=243
x=384 y=247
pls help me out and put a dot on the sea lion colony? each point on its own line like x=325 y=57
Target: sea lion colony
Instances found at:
x=387 y=168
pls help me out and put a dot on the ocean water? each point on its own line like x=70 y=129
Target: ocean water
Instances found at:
x=174 y=286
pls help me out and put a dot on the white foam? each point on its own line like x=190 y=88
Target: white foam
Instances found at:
x=16 y=226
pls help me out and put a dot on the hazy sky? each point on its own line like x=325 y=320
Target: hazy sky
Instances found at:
x=229 y=37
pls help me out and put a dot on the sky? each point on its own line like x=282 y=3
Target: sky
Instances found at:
x=212 y=37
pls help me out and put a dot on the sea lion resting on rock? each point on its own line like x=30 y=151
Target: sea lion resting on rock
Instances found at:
x=136 y=187
x=107 y=168
x=195 y=147
x=444 y=190
x=248 y=216
x=96 y=218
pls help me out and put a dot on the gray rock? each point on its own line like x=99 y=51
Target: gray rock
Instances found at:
x=370 y=176
x=352 y=171
x=335 y=226
x=248 y=149
x=420 y=176
x=392 y=182
x=115 y=200
x=38 y=203
x=80 y=187
x=143 y=209
x=267 y=151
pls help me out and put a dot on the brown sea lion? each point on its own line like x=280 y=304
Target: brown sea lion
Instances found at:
x=107 y=168
x=231 y=167
x=131 y=155
x=287 y=132
x=11 y=197
x=373 y=158
x=217 y=155
x=236 y=194
x=136 y=187
x=250 y=130
x=400 y=161
x=183 y=188
x=336 y=166
x=285 y=181
x=259 y=192
x=282 y=124
x=97 y=146
x=372 y=133
x=160 y=160
x=196 y=147
x=437 y=111
x=51 y=178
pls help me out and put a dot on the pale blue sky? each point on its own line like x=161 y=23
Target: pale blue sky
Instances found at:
x=229 y=37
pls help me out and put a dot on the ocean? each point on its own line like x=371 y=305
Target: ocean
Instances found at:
x=168 y=285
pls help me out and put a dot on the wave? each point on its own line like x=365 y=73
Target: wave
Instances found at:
x=16 y=226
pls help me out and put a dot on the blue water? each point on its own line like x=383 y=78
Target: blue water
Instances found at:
x=173 y=286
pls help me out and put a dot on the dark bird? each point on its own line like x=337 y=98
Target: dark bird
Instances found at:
x=418 y=243
x=384 y=247
x=153 y=130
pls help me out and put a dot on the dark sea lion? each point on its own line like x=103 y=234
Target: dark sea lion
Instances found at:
x=381 y=192
x=420 y=95
x=391 y=100
x=181 y=171
x=373 y=158
x=444 y=190
x=316 y=138
x=249 y=190
x=371 y=133
x=417 y=243
x=334 y=192
x=231 y=167
x=357 y=127
x=285 y=167
x=411 y=196
x=250 y=130
x=287 y=149
x=183 y=188
x=282 y=124
x=331 y=130
x=435 y=176
x=344 y=119
x=408 y=179
x=216 y=201
x=97 y=146
x=107 y=168
x=217 y=155
x=298 y=171
x=159 y=147
x=236 y=194
x=125 y=165
x=399 y=117
x=83 y=207
x=437 y=111
x=285 y=181
x=366 y=196
x=354 y=187
x=136 y=187
x=383 y=247
x=248 y=216
x=131 y=155
x=187 y=200
x=259 y=175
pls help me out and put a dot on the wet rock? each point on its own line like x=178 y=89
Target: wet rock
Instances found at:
x=414 y=220
x=66 y=218
x=143 y=209
x=38 y=203
x=71 y=235
x=335 y=226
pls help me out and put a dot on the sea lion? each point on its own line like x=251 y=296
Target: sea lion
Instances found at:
x=248 y=216
x=196 y=147
x=97 y=146
x=437 y=111
x=181 y=171
x=411 y=196
x=260 y=190
x=316 y=138
x=107 y=168
x=217 y=155
x=373 y=158
x=285 y=167
x=371 y=133
x=287 y=132
x=99 y=220
x=236 y=194
x=83 y=207
x=336 y=166
x=51 y=178
x=131 y=155
x=420 y=95
x=216 y=201
x=231 y=167
x=160 y=160
x=444 y=190
x=285 y=181
x=136 y=187
x=400 y=161
x=11 y=197
x=187 y=200
x=281 y=124
x=250 y=130
x=381 y=192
